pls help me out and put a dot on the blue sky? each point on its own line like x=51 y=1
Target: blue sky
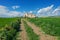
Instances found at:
x=30 y=4
x=20 y=6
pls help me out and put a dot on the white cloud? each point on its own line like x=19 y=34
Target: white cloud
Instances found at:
x=15 y=7
x=48 y=11
x=45 y=11
x=3 y=9
x=14 y=13
x=5 y=12
x=56 y=11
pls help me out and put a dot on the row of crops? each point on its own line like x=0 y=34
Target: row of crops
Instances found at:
x=50 y=26
x=30 y=33
x=9 y=27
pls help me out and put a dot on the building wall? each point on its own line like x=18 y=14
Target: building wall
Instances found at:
x=30 y=15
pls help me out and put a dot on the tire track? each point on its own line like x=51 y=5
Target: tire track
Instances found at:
x=23 y=34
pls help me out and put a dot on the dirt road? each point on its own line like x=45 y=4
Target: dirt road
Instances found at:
x=39 y=32
x=23 y=34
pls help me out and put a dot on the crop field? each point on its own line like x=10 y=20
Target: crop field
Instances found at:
x=9 y=28
x=50 y=26
x=4 y=21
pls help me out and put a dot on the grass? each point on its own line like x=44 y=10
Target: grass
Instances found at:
x=30 y=32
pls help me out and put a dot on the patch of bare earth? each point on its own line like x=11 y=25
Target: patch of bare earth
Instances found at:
x=39 y=32
x=23 y=34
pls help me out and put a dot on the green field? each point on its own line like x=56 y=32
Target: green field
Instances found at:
x=9 y=28
x=49 y=25
x=4 y=21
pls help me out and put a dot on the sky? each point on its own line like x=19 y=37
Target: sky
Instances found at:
x=13 y=8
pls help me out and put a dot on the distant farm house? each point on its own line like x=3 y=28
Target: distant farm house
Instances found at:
x=30 y=15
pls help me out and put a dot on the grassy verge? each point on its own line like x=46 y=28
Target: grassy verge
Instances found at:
x=30 y=33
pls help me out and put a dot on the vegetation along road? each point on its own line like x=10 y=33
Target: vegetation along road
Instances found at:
x=28 y=29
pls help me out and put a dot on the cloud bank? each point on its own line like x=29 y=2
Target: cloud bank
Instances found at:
x=48 y=11
x=5 y=12
x=56 y=11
